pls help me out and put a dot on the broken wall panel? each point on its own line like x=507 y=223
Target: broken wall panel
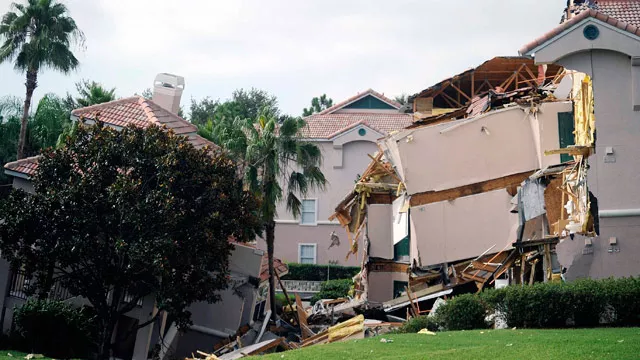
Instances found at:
x=379 y=231
x=494 y=144
x=464 y=228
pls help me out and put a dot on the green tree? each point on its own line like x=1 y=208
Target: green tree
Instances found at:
x=317 y=105
x=147 y=94
x=37 y=35
x=10 y=111
x=119 y=216
x=51 y=118
x=255 y=102
x=402 y=98
x=93 y=93
x=277 y=165
x=203 y=110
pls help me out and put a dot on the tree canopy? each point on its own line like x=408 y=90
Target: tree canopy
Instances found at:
x=93 y=93
x=277 y=165
x=317 y=105
x=37 y=35
x=121 y=215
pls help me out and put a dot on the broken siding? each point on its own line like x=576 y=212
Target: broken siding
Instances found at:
x=489 y=146
x=379 y=230
x=463 y=228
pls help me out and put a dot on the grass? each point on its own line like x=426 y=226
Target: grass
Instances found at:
x=16 y=355
x=566 y=344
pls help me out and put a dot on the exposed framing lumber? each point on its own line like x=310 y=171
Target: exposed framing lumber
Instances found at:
x=466 y=190
x=451 y=101
x=460 y=92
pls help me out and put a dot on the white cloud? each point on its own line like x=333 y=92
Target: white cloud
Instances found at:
x=294 y=49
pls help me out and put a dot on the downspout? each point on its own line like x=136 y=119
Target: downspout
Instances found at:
x=618 y=213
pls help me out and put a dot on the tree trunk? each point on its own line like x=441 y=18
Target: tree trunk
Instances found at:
x=269 y=228
x=104 y=349
x=31 y=84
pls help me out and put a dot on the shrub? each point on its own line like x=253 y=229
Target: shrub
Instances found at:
x=463 y=312
x=333 y=289
x=313 y=272
x=416 y=324
x=53 y=328
x=582 y=303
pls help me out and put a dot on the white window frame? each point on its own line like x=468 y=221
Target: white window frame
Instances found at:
x=315 y=252
x=315 y=219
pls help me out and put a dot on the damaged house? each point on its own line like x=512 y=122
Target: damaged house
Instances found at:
x=243 y=304
x=480 y=188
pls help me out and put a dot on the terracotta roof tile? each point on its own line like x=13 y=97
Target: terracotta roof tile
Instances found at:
x=624 y=15
x=280 y=268
x=372 y=92
x=25 y=166
x=136 y=111
x=327 y=126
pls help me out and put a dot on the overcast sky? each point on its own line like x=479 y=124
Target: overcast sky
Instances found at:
x=295 y=49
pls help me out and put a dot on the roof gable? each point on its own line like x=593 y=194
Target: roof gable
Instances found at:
x=370 y=102
x=356 y=101
x=578 y=22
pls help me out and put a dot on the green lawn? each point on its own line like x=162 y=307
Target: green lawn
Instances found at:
x=603 y=343
x=16 y=355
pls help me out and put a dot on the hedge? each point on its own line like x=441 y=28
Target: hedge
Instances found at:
x=582 y=303
x=313 y=272
x=333 y=289
x=53 y=328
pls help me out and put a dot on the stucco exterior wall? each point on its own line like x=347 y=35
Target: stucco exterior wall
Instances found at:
x=381 y=285
x=499 y=143
x=379 y=228
x=463 y=228
x=612 y=178
x=341 y=165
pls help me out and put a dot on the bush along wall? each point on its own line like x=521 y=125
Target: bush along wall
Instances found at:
x=333 y=289
x=53 y=328
x=582 y=303
x=313 y=272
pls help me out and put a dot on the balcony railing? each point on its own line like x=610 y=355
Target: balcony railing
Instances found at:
x=21 y=288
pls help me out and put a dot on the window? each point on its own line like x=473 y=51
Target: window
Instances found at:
x=308 y=216
x=565 y=133
x=307 y=253
x=398 y=288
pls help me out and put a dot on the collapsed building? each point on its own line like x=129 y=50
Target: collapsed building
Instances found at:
x=480 y=189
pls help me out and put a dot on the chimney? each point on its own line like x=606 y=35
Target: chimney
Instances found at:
x=167 y=91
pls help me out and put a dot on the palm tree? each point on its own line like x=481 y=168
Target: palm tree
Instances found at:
x=276 y=163
x=37 y=35
x=93 y=93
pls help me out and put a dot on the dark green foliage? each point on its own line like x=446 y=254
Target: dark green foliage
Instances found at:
x=318 y=104
x=202 y=111
x=416 y=324
x=313 y=272
x=333 y=289
x=623 y=299
x=54 y=328
x=463 y=312
x=93 y=93
x=582 y=303
x=139 y=212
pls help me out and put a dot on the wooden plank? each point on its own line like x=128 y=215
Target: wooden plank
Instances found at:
x=466 y=190
x=265 y=347
x=572 y=150
x=454 y=101
x=477 y=265
x=284 y=291
x=461 y=92
x=302 y=317
x=473 y=277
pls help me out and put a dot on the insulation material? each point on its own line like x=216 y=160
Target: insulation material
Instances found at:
x=583 y=110
x=347 y=328
x=400 y=220
x=533 y=199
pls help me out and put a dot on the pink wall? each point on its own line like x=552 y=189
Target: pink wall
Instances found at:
x=381 y=285
x=463 y=228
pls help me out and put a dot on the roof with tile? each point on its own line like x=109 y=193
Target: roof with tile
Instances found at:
x=627 y=11
x=280 y=268
x=633 y=7
x=329 y=126
x=332 y=122
x=136 y=111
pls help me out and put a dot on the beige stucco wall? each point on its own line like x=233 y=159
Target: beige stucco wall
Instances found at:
x=612 y=178
x=463 y=228
x=381 y=285
x=499 y=143
x=380 y=231
x=343 y=160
